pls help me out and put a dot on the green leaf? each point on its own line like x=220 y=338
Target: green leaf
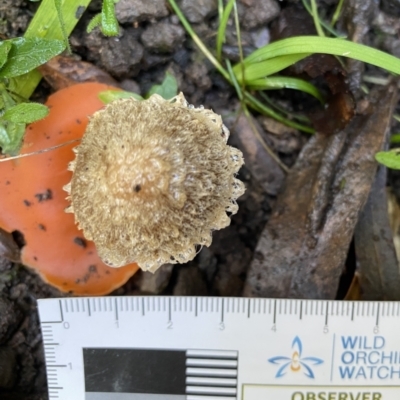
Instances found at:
x=390 y=159
x=94 y=23
x=395 y=138
x=7 y=100
x=268 y=67
x=222 y=27
x=109 y=23
x=27 y=54
x=25 y=113
x=5 y=48
x=58 y=4
x=167 y=89
x=45 y=24
x=11 y=135
x=4 y=138
x=323 y=45
x=109 y=96
x=316 y=18
x=283 y=82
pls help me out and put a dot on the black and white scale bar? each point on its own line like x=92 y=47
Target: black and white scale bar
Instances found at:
x=205 y=390
x=210 y=362
x=156 y=374
x=211 y=373
x=195 y=380
x=219 y=354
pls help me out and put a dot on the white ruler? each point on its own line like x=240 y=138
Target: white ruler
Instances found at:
x=200 y=348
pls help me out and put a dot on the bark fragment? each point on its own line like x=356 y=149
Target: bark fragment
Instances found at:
x=303 y=247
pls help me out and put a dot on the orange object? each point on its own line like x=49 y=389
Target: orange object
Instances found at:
x=32 y=200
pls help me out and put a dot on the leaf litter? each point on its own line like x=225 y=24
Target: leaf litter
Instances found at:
x=302 y=249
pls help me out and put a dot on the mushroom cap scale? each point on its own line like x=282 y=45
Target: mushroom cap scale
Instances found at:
x=152 y=180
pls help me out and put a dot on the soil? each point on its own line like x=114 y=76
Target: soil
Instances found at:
x=151 y=42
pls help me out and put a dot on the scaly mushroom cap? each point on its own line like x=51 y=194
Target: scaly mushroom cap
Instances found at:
x=152 y=179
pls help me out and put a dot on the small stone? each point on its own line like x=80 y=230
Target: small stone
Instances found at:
x=163 y=37
x=197 y=73
x=261 y=37
x=121 y=56
x=130 y=86
x=128 y=11
x=256 y=13
x=199 y=10
x=277 y=128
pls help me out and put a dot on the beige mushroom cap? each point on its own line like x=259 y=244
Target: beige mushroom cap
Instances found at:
x=152 y=179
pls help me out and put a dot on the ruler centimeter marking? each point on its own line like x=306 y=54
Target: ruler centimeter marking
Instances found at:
x=300 y=307
x=335 y=344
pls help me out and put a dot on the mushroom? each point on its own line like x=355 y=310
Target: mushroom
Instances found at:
x=32 y=201
x=152 y=179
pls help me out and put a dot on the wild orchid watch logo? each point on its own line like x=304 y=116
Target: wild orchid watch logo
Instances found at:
x=296 y=363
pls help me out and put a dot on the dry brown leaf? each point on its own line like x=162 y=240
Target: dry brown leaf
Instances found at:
x=354 y=292
x=303 y=248
x=61 y=72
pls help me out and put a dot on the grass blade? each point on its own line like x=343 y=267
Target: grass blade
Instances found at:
x=222 y=28
x=317 y=21
x=282 y=82
x=290 y=114
x=197 y=40
x=337 y=13
x=265 y=110
x=328 y=27
x=268 y=67
x=323 y=45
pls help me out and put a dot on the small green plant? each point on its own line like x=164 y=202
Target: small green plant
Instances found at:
x=106 y=20
x=258 y=71
x=46 y=36
x=167 y=90
x=18 y=57
x=390 y=159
